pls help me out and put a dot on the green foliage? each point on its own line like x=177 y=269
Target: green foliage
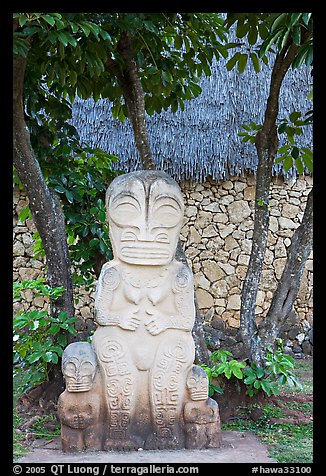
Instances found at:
x=250 y=132
x=287 y=441
x=78 y=174
x=70 y=53
x=81 y=178
x=265 y=31
x=290 y=154
x=39 y=428
x=277 y=370
x=221 y=365
x=38 y=338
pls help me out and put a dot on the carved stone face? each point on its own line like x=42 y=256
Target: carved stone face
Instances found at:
x=145 y=214
x=79 y=366
x=197 y=383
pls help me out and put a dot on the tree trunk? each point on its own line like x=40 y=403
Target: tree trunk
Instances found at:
x=44 y=204
x=266 y=146
x=289 y=284
x=133 y=94
x=47 y=213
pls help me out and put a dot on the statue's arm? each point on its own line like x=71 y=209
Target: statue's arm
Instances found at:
x=107 y=285
x=108 y=281
x=183 y=289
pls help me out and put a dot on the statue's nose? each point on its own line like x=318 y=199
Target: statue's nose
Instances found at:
x=144 y=233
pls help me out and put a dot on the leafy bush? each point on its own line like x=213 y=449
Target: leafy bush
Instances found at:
x=278 y=370
x=228 y=368
x=38 y=338
x=80 y=176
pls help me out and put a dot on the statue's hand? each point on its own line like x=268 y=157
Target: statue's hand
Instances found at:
x=126 y=321
x=129 y=322
x=155 y=324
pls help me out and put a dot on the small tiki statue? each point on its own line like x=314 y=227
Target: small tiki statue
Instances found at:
x=79 y=406
x=201 y=414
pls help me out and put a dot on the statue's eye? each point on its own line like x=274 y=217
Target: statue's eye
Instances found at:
x=125 y=211
x=86 y=368
x=162 y=238
x=128 y=236
x=70 y=370
x=166 y=216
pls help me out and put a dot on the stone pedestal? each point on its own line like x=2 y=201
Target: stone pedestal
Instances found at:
x=136 y=385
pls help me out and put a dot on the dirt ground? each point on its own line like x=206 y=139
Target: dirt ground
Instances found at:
x=237 y=447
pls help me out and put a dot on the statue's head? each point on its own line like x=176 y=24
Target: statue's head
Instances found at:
x=197 y=383
x=79 y=366
x=145 y=215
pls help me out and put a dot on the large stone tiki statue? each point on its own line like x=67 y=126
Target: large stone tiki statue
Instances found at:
x=145 y=312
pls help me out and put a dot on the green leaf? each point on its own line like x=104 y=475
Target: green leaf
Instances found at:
x=287 y=163
x=257 y=384
x=232 y=61
x=62 y=340
x=237 y=373
x=295 y=152
x=242 y=29
x=250 y=379
x=297 y=35
x=299 y=165
x=282 y=379
x=178 y=42
x=302 y=55
x=279 y=21
x=284 y=149
x=255 y=62
x=49 y=19
x=280 y=159
x=34 y=357
x=94 y=242
x=282 y=127
x=266 y=387
x=85 y=29
x=252 y=35
x=54 y=329
x=263 y=31
x=24 y=214
x=242 y=63
x=228 y=372
x=308 y=152
x=308 y=162
x=294 y=116
x=306 y=18
x=22 y=20
x=269 y=41
x=63 y=38
x=70 y=196
x=295 y=18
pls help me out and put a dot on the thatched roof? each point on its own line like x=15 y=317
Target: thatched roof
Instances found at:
x=202 y=140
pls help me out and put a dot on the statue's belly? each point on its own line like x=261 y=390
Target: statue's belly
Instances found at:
x=138 y=346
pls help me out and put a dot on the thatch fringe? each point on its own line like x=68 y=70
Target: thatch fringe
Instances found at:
x=202 y=140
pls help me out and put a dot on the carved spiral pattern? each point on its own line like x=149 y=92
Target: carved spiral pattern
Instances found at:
x=111 y=278
x=109 y=350
x=182 y=280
